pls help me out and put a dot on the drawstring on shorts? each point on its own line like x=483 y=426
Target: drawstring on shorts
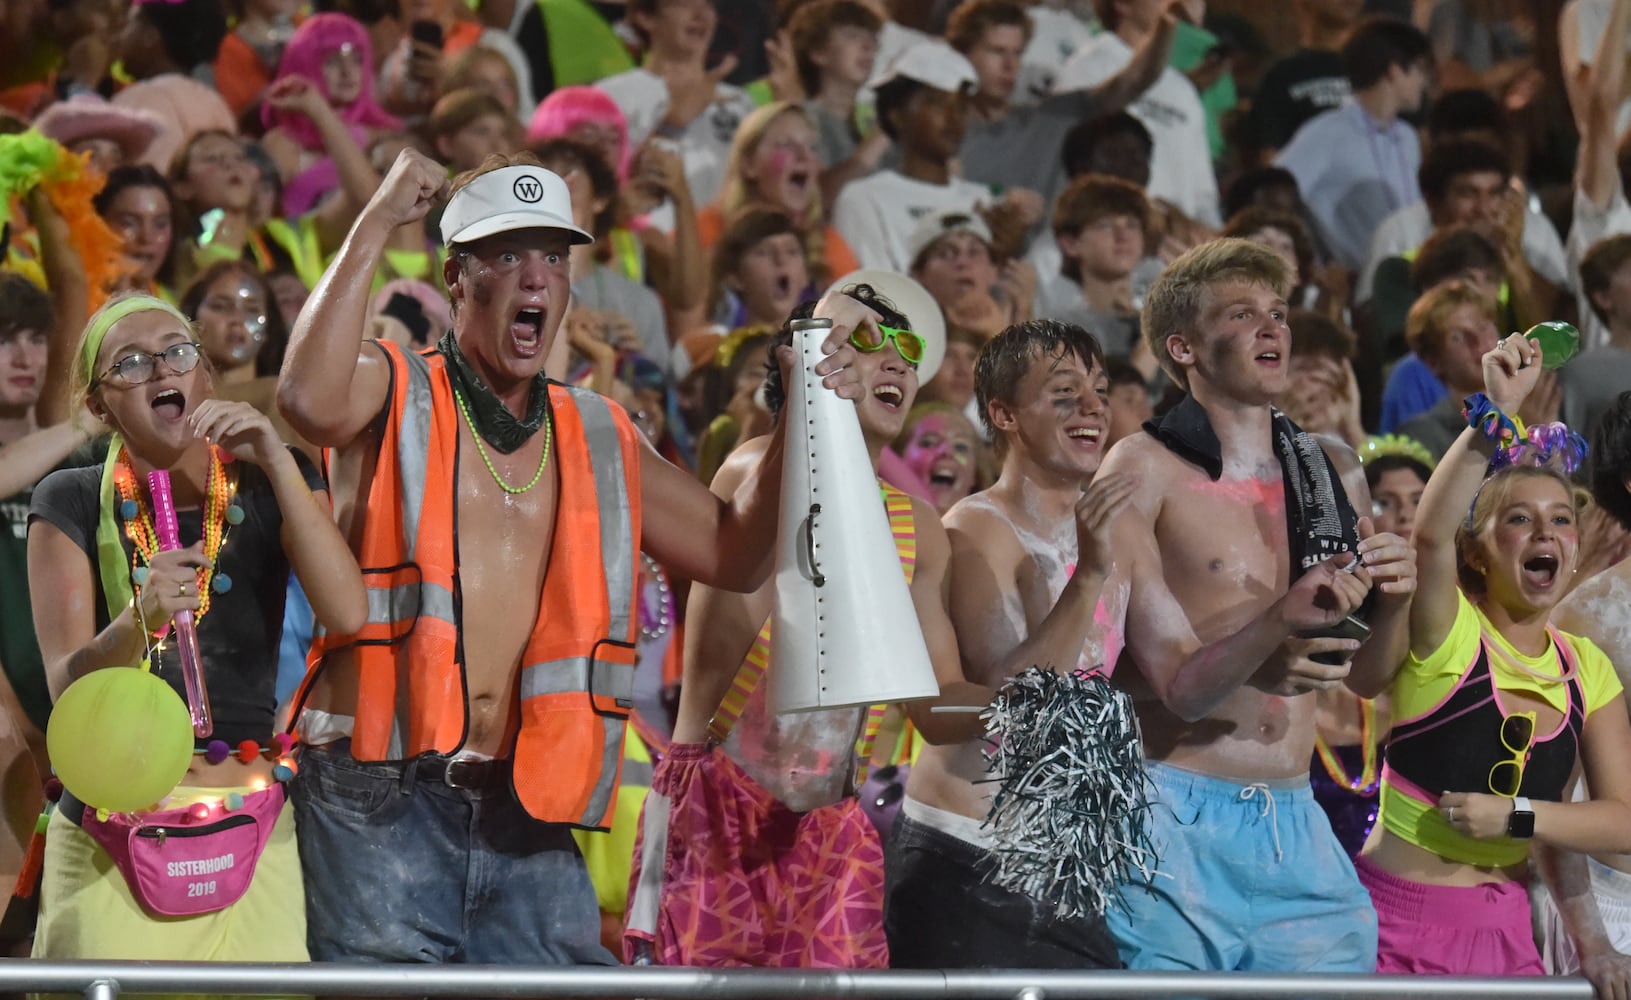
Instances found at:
x=1270 y=809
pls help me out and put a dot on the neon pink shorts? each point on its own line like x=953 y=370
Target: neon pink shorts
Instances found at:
x=745 y=881
x=1451 y=930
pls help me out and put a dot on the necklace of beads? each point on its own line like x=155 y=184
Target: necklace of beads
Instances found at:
x=655 y=622
x=1366 y=784
x=221 y=511
x=549 y=435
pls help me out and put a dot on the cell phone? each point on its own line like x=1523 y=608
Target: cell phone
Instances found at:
x=1348 y=628
x=428 y=32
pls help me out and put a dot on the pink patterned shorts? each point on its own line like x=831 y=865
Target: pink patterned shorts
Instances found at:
x=725 y=875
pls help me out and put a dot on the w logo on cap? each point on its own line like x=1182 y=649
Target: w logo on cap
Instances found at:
x=529 y=189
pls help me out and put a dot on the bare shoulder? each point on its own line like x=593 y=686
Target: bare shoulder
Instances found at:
x=979 y=522
x=1148 y=462
x=738 y=465
x=1600 y=610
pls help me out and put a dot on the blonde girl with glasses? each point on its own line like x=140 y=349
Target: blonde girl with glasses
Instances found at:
x=248 y=510
x=1495 y=708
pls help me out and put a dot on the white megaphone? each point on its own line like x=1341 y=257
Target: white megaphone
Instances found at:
x=845 y=631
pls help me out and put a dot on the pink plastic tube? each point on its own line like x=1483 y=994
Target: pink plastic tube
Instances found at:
x=192 y=667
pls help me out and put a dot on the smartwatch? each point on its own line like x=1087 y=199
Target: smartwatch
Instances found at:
x=1521 y=824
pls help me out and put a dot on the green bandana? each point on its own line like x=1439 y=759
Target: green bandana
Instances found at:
x=498 y=427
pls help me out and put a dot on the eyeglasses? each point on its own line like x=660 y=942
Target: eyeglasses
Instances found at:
x=135 y=369
x=908 y=344
x=1517 y=735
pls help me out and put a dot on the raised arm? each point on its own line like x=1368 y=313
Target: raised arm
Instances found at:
x=1148 y=61
x=1598 y=91
x=331 y=388
x=729 y=544
x=70 y=300
x=1510 y=372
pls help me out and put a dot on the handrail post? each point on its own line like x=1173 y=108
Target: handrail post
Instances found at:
x=102 y=989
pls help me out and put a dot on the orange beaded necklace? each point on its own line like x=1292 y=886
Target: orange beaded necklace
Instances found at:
x=221 y=511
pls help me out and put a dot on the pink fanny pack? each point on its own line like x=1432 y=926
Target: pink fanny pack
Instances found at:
x=178 y=865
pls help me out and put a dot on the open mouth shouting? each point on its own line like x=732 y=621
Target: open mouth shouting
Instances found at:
x=169 y=404
x=1269 y=359
x=527 y=331
x=1540 y=570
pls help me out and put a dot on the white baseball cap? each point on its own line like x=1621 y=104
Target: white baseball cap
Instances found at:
x=914 y=302
x=938 y=224
x=520 y=197
x=933 y=64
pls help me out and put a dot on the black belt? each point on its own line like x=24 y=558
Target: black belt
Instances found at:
x=464 y=772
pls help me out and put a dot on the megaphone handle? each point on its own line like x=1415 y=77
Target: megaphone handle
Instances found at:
x=810 y=545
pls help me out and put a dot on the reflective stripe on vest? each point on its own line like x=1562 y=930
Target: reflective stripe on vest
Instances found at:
x=575 y=687
x=561 y=729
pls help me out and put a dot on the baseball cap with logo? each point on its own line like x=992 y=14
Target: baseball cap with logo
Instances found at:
x=519 y=197
x=933 y=64
x=935 y=225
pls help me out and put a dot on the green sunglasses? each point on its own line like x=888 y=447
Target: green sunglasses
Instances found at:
x=908 y=344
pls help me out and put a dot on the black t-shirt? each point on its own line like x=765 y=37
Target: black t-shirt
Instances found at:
x=1294 y=90
x=239 y=636
x=19 y=651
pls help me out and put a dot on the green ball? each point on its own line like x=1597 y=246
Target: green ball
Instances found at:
x=120 y=739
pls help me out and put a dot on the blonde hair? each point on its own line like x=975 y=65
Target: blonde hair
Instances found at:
x=115 y=309
x=1492 y=496
x=736 y=194
x=1174 y=303
x=1425 y=326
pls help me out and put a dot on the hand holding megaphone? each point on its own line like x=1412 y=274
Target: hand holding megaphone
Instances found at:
x=837 y=368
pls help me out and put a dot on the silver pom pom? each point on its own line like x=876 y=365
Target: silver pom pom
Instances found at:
x=1069 y=819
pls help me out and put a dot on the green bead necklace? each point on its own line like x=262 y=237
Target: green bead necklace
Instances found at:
x=549 y=435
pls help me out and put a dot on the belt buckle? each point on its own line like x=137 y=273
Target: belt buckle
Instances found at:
x=455 y=765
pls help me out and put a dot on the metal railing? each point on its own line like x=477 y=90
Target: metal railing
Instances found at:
x=106 y=980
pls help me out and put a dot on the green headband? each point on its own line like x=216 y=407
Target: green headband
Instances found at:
x=112 y=565
x=91 y=345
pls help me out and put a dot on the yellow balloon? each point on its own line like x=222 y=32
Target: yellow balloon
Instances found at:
x=120 y=739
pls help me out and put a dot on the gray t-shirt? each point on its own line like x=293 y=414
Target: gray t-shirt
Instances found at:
x=1438 y=428
x=1022 y=149
x=1591 y=383
x=608 y=290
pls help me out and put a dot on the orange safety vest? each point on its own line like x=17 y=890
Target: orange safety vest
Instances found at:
x=577 y=675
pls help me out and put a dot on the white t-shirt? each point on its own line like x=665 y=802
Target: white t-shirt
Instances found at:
x=1055 y=37
x=1410 y=226
x=1592 y=224
x=1181 y=164
x=706 y=142
x=876 y=215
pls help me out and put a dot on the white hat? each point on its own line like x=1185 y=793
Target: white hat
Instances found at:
x=934 y=64
x=914 y=302
x=522 y=197
x=937 y=224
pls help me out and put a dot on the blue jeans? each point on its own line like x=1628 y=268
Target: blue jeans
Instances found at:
x=401 y=867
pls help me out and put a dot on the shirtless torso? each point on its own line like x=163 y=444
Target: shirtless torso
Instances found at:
x=1010 y=564
x=1223 y=555
x=503 y=543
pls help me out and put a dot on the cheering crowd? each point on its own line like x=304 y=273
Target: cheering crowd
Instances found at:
x=1264 y=372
